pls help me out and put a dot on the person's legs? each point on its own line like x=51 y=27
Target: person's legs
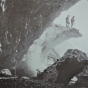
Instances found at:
x=71 y=24
x=66 y=24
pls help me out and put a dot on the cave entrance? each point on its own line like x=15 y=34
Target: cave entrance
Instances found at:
x=39 y=50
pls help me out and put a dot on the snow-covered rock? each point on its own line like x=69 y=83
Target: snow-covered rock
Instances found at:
x=84 y=72
x=51 y=37
x=52 y=57
x=5 y=72
x=73 y=80
x=76 y=54
x=64 y=71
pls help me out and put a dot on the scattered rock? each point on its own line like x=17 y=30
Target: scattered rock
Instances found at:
x=25 y=77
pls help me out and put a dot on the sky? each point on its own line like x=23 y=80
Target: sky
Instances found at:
x=80 y=11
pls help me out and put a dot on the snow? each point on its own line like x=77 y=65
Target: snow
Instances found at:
x=0 y=47
x=51 y=37
x=73 y=80
x=6 y=72
x=3 y=5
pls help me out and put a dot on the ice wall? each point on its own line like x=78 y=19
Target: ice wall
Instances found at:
x=52 y=36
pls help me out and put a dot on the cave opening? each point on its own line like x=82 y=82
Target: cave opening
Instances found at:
x=41 y=47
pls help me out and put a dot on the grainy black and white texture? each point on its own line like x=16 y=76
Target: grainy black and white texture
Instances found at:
x=21 y=23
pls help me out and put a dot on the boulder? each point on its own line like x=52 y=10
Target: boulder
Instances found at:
x=5 y=73
x=73 y=80
x=72 y=63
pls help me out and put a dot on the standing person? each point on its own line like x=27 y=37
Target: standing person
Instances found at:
x=72 y=21
x=67 y=21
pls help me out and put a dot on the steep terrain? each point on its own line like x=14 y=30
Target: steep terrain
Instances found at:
x=23 y=21
x=56 y=76
x=72 y=63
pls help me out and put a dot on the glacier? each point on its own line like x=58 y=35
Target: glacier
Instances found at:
x=36 y=57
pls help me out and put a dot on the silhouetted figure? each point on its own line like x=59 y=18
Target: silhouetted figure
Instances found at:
x=72 y=21
x=67 y=21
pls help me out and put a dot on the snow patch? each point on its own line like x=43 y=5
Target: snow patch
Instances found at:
x=3 y=5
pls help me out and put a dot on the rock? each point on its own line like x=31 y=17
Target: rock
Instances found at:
x=81 y=82
x=5 y=73
x=23 y=21
x=72 y=63
x=73 y=80
x=84 y=72
x=25 y=77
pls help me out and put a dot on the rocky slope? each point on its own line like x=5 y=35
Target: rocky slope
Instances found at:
x=72 y=63
x=23 y=21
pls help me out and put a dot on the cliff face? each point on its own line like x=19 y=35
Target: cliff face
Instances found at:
x=72 y=63
x=22 y=21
